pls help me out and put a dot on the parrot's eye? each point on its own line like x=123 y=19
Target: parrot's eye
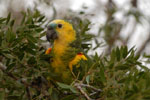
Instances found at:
x=59 y=25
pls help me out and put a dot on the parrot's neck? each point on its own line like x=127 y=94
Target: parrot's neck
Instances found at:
x=60 y=47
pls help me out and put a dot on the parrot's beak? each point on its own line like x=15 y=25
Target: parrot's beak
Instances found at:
x=51 y=33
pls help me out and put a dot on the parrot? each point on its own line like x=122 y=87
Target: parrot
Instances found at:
x=66 y=52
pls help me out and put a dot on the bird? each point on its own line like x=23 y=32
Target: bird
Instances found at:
x=66 y=52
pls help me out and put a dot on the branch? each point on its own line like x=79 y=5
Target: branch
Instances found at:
x=3 y=68
x=27 y=85
x=82 y=91
x=79 y=87
x=89 y=86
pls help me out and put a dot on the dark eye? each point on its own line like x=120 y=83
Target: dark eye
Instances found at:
x=59 y=25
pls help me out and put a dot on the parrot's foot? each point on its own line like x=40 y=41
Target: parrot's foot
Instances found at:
x=70 y=67
x=73 y=74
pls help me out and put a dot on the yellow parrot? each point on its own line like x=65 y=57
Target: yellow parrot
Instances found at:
x=65 y=51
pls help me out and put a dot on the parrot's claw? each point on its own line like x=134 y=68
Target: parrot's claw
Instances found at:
x=70 y=67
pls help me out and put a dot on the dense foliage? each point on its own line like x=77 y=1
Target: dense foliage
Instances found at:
x=25 y=69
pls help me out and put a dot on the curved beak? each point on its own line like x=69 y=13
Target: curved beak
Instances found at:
x=51 y=33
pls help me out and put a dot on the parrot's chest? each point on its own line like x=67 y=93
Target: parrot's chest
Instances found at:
x=62 y=55
x=60 y=52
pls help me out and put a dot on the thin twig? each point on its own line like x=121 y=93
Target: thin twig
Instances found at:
x=82 y=91
x=3 y=68
x=89 y=86
x=93 y=93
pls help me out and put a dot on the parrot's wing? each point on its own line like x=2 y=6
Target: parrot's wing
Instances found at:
x=72 y=50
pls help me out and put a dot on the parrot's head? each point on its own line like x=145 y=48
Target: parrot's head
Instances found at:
x=60 y=30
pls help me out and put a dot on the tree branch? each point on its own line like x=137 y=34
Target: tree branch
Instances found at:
x=89 y=86
x=78 y=86
x=27 y=85
x=3 y=68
